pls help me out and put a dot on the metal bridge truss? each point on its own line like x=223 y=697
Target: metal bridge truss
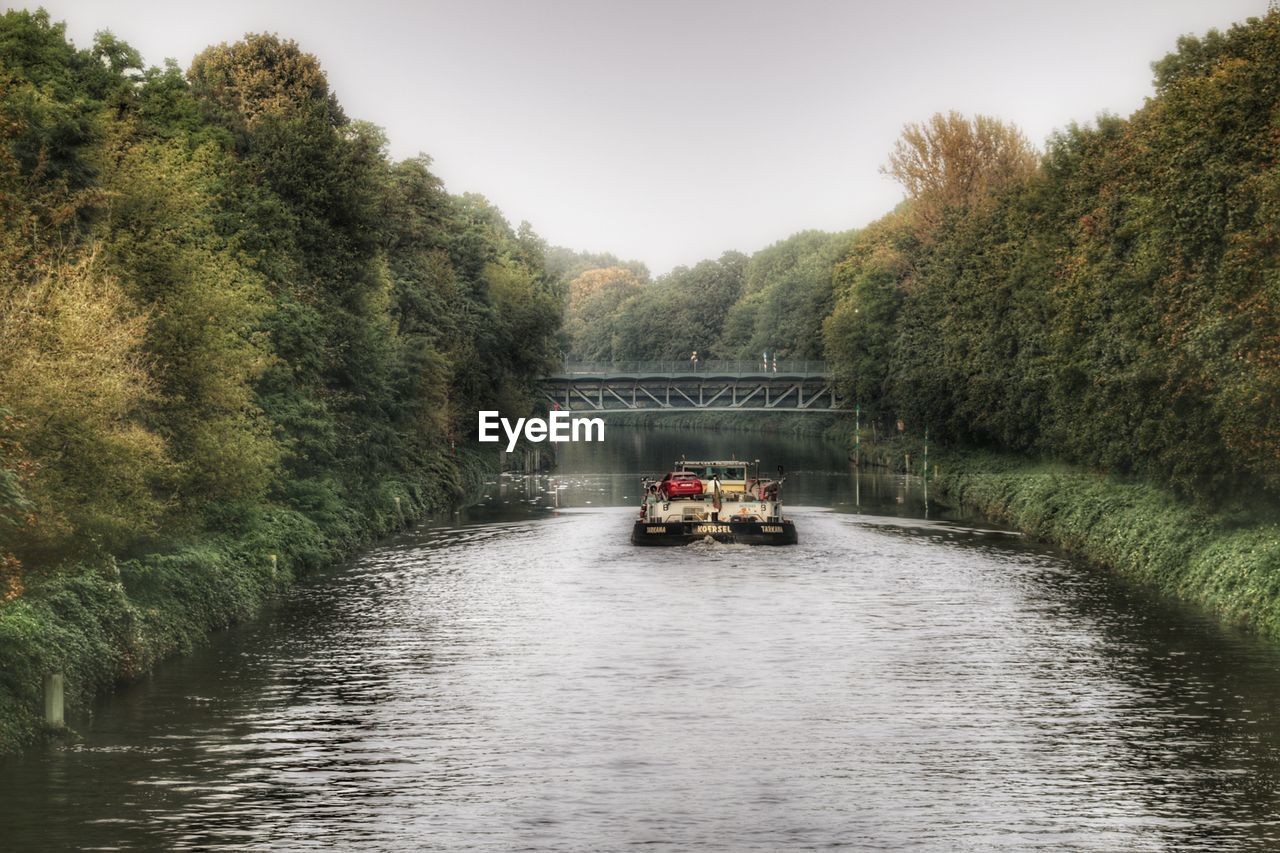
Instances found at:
x=692 y=393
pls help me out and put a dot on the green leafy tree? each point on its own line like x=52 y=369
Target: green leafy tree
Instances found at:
x=595 y=298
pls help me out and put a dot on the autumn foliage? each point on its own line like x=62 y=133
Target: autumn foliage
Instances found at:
x=222 y=304
x=1117 y=306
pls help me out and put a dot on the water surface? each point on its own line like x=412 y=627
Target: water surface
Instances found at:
x=518 y=677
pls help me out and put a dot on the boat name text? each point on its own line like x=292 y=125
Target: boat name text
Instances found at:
x=713 y=528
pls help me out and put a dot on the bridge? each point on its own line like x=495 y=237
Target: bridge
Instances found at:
x=681 y=386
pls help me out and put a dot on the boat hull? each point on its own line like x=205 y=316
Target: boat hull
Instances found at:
x=737 y=532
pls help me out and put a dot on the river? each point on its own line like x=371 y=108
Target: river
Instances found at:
x=519 y=677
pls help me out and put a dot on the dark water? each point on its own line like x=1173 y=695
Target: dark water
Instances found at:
x=520 y=678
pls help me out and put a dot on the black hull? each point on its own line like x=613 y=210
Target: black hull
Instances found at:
x=738 y=532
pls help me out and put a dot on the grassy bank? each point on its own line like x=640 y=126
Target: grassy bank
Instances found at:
x=1226 y=561
x=112 y=622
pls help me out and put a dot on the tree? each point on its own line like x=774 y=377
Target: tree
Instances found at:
x=595 y=297
x=73 y=375
x=207 y=313
x=953 y=161
x=261 y=76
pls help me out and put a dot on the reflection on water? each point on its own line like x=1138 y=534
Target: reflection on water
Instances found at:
x=519 y=677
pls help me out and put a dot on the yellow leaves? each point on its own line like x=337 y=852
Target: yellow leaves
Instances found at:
x=206 y=309
x=72 y=329
x=259 y=75
x=72 y=372
x=593 y=282
x=954 y=161
x=594 y=296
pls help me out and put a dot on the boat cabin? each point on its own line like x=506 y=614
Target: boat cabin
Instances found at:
x=732 y=474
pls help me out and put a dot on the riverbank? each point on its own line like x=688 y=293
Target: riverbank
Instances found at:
x=113 y=622
x=1226 y=562
x=1221 y=560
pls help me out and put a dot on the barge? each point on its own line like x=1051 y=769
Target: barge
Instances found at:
x=715 y=499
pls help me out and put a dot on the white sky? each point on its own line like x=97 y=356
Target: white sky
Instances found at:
x=672 y=131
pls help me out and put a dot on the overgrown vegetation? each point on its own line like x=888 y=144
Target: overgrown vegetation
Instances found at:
x=230 y=326
x=1224 y=562
x=1117 y=307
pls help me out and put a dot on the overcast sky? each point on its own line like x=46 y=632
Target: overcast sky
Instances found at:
x=672 y=131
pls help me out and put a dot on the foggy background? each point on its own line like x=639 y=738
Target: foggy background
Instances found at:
x=670 y=132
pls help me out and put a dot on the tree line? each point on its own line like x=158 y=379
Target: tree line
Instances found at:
x=219 y=294
x=1113 y=300
x=735 y=307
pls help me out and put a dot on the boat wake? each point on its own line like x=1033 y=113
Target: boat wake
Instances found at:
x=707 y=545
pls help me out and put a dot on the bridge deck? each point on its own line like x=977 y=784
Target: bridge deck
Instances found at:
x=795 y=386
x=709 y=370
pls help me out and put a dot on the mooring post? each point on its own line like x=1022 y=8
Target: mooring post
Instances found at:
x=908 y=464
x=857 y=436
x=925 y=471
x=53 y=699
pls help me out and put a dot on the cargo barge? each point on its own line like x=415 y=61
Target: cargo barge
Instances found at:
x=720 y=500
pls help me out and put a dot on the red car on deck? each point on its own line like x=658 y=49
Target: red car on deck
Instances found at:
x=680 y=484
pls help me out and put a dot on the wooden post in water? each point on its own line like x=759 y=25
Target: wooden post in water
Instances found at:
x=857 y=436
x=907 y=456
x=53 y=699
x=925 y=471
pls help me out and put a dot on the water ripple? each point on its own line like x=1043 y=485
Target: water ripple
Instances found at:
x=533 y=683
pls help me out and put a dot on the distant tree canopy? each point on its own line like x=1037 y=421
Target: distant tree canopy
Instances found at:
x=594 y=299
x=787 y=290
x=734 y=308
x=218 y=294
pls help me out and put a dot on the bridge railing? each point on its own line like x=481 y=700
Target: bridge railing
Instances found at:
x=714 y=367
